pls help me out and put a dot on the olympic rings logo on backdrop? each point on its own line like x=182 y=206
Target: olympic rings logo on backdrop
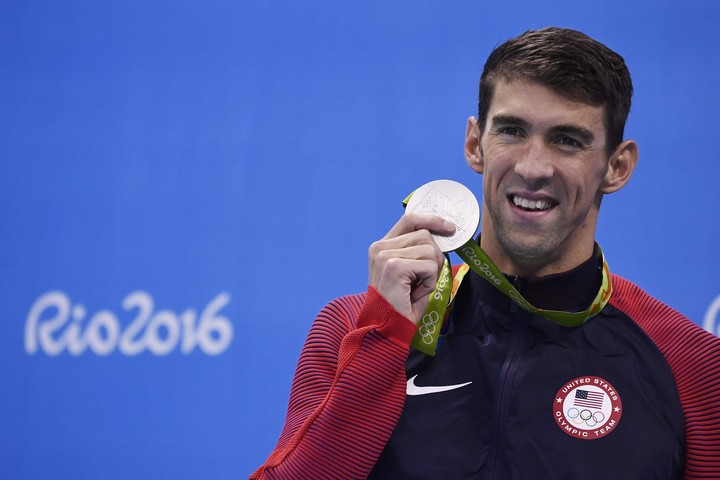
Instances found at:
x=711 y=323
x=56 y=325
x=428 y=326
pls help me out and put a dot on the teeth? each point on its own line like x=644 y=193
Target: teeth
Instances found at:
x=531 y=204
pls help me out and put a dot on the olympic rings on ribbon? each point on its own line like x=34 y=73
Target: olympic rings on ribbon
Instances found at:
x=428 y=326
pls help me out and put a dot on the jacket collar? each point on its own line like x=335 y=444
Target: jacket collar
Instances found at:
x=571 y=291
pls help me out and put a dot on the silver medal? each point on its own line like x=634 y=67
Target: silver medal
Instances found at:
x=453 y=202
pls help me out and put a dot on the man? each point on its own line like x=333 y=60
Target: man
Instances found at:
x=629 y=391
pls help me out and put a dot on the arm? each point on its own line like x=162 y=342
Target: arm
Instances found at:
x=347 y=394
x=694 y=358
x=349 y=386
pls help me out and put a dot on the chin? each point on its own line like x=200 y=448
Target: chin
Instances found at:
x=530 y=255
x=530 y=249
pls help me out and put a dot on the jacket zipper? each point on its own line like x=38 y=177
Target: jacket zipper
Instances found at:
x=507 y=377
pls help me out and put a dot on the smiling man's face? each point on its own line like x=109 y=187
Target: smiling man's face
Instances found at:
x=544 y=165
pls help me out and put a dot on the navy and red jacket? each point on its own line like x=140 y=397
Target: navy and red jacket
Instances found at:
x=634 y=393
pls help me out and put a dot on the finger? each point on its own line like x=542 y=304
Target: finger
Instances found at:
x=424 y=285
x=414 y=221
x=407 y=282
x=399 y=262
x=410 y=239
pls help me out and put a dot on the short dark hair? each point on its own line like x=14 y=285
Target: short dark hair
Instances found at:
x=569 y=62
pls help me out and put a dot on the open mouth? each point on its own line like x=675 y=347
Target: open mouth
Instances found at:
x=532 y=205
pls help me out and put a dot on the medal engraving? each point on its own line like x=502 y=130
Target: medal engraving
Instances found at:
x=453 y=202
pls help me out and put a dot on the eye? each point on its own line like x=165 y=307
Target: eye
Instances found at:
x=512 y=131
x=566 y=141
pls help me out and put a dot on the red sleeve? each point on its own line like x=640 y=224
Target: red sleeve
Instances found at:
x=694 y=358
x=347 y=393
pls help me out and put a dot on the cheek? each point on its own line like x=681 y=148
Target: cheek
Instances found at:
x=585 y=185
x=493 y=195
x=491 y=177
x=497 y=161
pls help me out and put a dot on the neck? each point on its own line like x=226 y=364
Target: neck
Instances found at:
x=558 y=261
x=571 y=290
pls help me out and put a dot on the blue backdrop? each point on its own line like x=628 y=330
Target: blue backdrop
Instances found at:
x=185 y=184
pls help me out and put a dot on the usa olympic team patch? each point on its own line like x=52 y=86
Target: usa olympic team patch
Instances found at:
x=587 y=408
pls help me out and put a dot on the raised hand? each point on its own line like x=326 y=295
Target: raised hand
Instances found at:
x=404 y=266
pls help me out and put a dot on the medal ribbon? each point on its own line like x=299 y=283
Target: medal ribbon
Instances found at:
x=427 y=337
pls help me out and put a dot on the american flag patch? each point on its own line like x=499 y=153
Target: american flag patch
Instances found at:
x=585 y=398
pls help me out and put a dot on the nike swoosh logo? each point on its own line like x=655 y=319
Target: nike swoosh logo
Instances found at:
x=413 y=389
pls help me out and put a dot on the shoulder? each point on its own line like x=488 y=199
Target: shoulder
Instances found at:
x=693 y=355
x=669 y=329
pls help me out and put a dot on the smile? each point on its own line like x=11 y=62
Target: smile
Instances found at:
x=531 y=205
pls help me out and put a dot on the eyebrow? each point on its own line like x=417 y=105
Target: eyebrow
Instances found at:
x=509 y=120
x=583 y=134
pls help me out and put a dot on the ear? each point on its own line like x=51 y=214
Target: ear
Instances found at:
x=620 y=167
x=473 y=151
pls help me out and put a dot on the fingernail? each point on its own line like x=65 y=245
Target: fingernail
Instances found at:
x=448 y=225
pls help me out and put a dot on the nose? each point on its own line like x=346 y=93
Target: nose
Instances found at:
x=534 y=165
